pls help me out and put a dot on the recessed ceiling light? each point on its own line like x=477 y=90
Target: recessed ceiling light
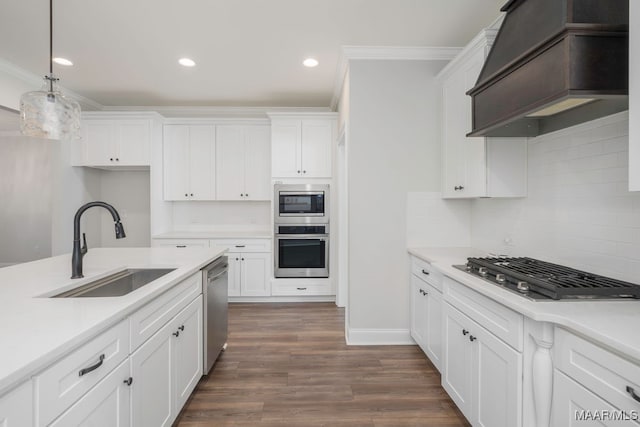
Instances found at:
x=310 y=62
x=62 y=61
x=187 y=62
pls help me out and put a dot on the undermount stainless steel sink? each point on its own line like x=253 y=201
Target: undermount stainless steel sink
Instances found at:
x=117 y=284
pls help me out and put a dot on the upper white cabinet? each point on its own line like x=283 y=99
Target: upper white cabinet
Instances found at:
x=301 y=145
x=113 y=141
x=476 y=167
x=189 y=162
x=242 y=163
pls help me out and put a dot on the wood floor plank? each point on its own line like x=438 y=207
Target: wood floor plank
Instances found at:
x=287 y=364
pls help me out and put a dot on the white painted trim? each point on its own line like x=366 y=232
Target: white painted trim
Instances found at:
x=105 y=114
x=484 y=39
x=302 y=115
x=310 y=298
x=37 y=81
x=495 y=25
x=395 y=53
x=218 y=112
x=216 y=121
x=379 y=337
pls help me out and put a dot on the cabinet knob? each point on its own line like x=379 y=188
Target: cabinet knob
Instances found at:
x=117 y=159
x=246 y=194
x=298 y=171
x=304 y=171
x=128 y=381
x=186 y=194
x=181 y=327
x=237 y=259
x=472 y=338
x=242 y=259
x=465 y=332
x=111 y=159
x=241 y=195
x=176 y=334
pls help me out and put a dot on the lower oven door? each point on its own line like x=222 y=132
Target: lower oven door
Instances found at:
x=301 y=255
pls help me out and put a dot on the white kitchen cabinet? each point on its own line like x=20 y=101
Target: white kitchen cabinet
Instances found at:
x=426 y=319
x=478 y=166
x=189 y=162
x=301 y=146
x=249 y=266
x=16 y=407
x=242 y=163
x=106 y=405
x=634 y=96
x=181 y=243
x=482 y=374
x=115 y=141
x=166 y=368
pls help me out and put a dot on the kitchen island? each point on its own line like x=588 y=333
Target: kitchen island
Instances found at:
x=38 y=331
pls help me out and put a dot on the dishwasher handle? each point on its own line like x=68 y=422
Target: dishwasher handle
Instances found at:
x=213 y=278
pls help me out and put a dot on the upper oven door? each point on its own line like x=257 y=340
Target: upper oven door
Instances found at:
x=306 y=202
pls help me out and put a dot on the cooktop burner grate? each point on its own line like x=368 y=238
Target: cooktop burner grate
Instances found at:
x=552 y=280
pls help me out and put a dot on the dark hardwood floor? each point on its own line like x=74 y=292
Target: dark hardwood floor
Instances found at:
x=288 y=365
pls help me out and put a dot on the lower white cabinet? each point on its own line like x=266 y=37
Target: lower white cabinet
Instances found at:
x=482 y=374
x=167 y=368
x=106 y=405
x=426 y=319
x=181 y=243
x=249 y=274
x=16 y=407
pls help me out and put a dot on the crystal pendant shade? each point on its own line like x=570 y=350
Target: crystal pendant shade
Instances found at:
x=47 y=113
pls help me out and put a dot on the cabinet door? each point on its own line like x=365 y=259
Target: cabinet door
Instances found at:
x=235 y=272
x=497 y=384
x=16 y=407
x=433 y=329
x=188 y=352
x=176 y=162
x=286 y=148
x=133 y=142
x=255 y=274
x=230 y=163
x=202 y=146
x=257 y=168
x=418 y=312
x=317 y=140
x=99 y=138
x=152 y=390
x=458 y=360
x=106 y=405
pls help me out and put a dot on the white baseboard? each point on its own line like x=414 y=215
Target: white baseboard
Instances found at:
x=379 y=337
x=310 y=298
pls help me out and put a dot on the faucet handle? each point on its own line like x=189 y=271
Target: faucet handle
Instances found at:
x=83 y=249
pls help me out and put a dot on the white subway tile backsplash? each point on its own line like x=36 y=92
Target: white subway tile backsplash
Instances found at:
x=579 y=211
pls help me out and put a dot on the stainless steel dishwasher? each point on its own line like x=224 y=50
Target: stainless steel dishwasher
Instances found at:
x=215 y=283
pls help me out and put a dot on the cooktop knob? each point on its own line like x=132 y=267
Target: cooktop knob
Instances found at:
x=523 y=286
x=483 y=271
x=500 y=278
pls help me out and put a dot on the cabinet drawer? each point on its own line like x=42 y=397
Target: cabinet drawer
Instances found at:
x=599 y=370
x=150 y=318
x=58 y=387
x=181 y=243
x=572 y=401
x=426 y=272
x=243 y=245
x=501 y=321
x=279 y=288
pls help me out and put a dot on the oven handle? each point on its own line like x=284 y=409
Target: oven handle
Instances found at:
x=301 y=236
x=300 y=193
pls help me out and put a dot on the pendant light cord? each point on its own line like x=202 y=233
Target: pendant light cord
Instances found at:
x=51 y=45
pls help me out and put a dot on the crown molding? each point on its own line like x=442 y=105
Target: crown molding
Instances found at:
x=483 y=39
x=36 y=81
x=393 y=53
x=218 y=112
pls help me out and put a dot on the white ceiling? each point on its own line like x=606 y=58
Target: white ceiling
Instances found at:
x=248 y=52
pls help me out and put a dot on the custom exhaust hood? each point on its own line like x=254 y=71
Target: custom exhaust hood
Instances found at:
x=554 y=64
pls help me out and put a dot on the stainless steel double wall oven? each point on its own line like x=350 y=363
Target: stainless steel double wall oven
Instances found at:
x=301 y=220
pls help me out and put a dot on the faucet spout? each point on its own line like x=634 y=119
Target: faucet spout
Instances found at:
x=79 y=251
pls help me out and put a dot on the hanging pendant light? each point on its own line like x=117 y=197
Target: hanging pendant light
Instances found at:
x=47 y=113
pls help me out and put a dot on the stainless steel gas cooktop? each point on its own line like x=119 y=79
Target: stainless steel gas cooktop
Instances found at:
x=543 y=281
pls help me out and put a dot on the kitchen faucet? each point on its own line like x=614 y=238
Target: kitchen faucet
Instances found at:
x=78 y=252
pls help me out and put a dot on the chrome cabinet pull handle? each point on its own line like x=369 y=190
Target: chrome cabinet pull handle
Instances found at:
x=92 y=367
x=633 y=394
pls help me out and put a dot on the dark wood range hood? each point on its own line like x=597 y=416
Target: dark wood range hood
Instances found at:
x=554 y=64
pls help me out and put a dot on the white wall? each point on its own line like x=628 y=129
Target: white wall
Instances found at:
x=578 y=211
x=128 y=192
x=394 y=148
x=197 y=216
x=435 y=222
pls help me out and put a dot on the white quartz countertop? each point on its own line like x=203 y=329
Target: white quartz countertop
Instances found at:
x=611 y=323
x=219 y=234
x=35 y=331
